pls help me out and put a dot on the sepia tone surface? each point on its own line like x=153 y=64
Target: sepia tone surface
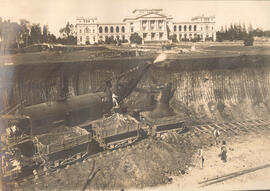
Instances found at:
x=157 y=96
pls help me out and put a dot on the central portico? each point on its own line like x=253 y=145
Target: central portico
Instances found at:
x=150 y=24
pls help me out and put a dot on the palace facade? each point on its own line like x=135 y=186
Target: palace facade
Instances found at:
x=151 y=24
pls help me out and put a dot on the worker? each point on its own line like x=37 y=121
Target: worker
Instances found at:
x=223 y=154
x=115 y=102
x=201 y=157
x=216 y=135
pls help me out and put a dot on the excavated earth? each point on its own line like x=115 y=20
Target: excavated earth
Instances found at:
x=207 y=90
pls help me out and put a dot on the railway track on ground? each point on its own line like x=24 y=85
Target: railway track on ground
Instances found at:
x=234 y=128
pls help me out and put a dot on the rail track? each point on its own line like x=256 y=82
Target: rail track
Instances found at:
x=234 y=128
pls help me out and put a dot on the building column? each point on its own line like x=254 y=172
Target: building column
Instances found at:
x=214 y=37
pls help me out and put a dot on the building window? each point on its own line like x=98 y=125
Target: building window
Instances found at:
x=106 y=29
x=190 y=28
x=190 y=36
x=160 y=35
x=206 y=27
x=94 y=38
x=144 y=35
x=111 y=30
x=195 y=27
x=86 y=30
x=174 y=28
x=123 y=37
x=180 y=36
x=132 y=29
x=212 y=28
x=87 y=39
x=180 y=27
x=144 y=23
x=117 y=29
x=153 y=35
x=93 y=30
x=80 y=30
x=160 y=25
x=123 y=29
x=152 y=25
x=185 y=28
x=100 y=30
x=80 y=38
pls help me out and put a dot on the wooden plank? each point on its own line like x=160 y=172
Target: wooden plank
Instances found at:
x=229 y=128
x=219 y=127
x=211 y=127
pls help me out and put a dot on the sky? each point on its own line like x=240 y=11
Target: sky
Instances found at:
x=56 y=13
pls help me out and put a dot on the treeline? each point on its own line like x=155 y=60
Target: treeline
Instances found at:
x=15 y=35
x=239 y=32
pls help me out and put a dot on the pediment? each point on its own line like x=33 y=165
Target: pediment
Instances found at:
x=152 y=15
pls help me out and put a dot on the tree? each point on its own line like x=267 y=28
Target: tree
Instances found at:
x=65 y=32
x=258 y=32
x=197 y=38
x=35 y=34
x=110 y=40
x=25 y=31
x=10 y=35
x=45 y=33
x=135 y=38
x=173 y=38
x=51 y=38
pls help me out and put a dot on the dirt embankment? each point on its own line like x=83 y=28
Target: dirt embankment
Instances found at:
x=203 y=85
x=209 y=90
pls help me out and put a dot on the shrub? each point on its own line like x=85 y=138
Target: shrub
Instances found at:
x=248 y=41
x=173 y=38
x=110 y=40
x=135 y=38
x=196 y=39
x=101 y=42
x=209 y=39
x=185 y=39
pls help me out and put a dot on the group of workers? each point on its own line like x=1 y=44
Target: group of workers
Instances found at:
x=223 y=153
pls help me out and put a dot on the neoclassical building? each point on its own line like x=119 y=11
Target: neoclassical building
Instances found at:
x=151 y=24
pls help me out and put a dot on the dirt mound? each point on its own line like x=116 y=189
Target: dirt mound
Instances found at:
x=59 y=134
x=116 y=120
x=150 y=162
